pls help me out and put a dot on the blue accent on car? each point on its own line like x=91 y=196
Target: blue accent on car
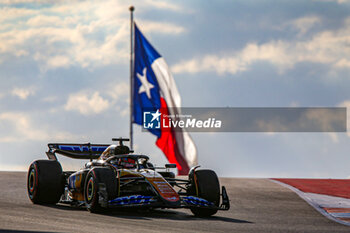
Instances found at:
x=82 y=148
x=191 y=200
x=71 y=182
x=131 y=200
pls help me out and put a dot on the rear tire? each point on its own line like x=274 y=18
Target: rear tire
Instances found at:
x=208 y=189
x=45 y=183
x=91 y=187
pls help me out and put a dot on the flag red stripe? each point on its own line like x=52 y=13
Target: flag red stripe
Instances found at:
x=167 y=143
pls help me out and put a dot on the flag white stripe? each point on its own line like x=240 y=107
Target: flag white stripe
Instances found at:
x=172 y=97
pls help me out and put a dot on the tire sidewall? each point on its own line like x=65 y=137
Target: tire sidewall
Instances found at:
x=32 y=182
x=91 y=198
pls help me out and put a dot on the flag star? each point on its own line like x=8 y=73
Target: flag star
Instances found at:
x=155 y=115
x=146 y=86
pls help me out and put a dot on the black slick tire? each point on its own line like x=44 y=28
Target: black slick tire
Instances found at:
x=95 y=177
x=45 y=183
x=208 y=189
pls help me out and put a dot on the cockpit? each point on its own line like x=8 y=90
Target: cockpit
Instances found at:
x=119 y=156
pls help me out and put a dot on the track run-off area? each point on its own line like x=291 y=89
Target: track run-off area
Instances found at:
x=257 y=205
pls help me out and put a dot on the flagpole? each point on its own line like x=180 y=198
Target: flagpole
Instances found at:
x=131 y=8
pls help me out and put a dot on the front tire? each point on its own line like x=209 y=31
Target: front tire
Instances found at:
x=91 y=188
x=208 y=188
x=45 y=183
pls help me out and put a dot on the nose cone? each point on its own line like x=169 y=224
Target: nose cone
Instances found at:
x=163 y=188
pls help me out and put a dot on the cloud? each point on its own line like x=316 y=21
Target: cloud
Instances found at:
x=161 y=27
x=118 y=90
x=75 y=33
x=343 y=63
x=274 y=52
x=337 y=1
x=164 y=5
x=326 y=47
x=24 y=1
x=23 y=93
x=346 y=104
x=274 y=125
x=304 y=24
x=58 y=61
x=87 y=104
x=325 y=119
x=49 y=99
x=9 y=13
x=42 y=20
x=18 y=126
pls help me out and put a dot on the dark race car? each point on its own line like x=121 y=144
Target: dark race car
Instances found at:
x=115 y=177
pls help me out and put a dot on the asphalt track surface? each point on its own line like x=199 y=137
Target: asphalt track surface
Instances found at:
x=257 y=205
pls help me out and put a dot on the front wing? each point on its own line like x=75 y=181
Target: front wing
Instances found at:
x=156 y=202
x=153 y=201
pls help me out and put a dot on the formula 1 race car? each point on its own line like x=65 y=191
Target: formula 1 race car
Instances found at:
x=115 y=177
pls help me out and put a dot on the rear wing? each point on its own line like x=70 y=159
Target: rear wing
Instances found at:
x=76 y=151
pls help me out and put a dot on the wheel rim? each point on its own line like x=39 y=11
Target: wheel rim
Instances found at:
x=31 y=182
x=90 y=189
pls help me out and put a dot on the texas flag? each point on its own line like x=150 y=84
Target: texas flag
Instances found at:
x=155 y=94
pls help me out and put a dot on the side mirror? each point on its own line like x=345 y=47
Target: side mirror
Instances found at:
x=170 y=165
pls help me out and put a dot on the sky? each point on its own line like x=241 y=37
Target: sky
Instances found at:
x=64 y=73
